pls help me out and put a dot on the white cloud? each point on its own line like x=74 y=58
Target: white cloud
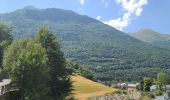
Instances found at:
x=98 y=17
x=130 y=8
x=82 y=2
x=138 y=11
x=119 y=23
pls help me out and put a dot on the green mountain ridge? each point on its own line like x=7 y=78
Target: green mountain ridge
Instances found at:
x=108 y=52
x=151 y=36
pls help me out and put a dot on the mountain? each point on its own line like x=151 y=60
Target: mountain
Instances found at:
x=108 y=52
x=150 y=36
x=85 y=88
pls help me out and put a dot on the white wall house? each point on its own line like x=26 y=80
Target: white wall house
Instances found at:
x=153 y=88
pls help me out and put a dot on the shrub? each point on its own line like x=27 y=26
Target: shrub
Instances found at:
x=120 y=92
x=150 y=95
x=157 y=93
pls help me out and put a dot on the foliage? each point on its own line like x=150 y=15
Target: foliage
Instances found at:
x=5 y=39
x=60 y=83
x=168 y=74
x=147 y=83
x=26 y=64
x=141 y=84
x=146 y=96
x=120 y=92
x=162 y=79
x=80 y=70
x=157 y=93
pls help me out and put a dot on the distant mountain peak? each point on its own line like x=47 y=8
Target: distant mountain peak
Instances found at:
x=50 y=14
x=147 y=31
x=30 y=7
x=148 y=35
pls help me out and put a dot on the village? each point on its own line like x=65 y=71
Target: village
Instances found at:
x=136 y=87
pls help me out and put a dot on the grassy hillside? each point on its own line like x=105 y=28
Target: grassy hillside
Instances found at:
x=151 y=36
x=85 y=88
x=109 y=53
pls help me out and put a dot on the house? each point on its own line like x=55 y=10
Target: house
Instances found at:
x=118 y=85
x=125 y=85
x=5 y=86
x=167 y=95
x=130 y=85
x=153 y=88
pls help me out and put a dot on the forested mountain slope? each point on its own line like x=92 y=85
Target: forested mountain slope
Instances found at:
x=109 y=53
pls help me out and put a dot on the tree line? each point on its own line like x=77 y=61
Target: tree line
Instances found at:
x=162 y=79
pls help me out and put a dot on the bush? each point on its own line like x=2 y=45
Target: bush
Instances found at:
x=11 y=95
x=70 y=98
x=150 y=95
x=157 y=93
x=117 y=92
x=124 y=92
x=145 y=98
x=120 y=92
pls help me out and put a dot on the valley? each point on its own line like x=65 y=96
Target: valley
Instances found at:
x=106 y=51
x=57 y=54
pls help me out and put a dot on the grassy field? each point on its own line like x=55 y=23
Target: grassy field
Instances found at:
x=85 y=88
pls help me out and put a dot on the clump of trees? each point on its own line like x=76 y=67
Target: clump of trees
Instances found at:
x=26 y=64
x=80 y=70
x=5 y=41
x=161 y=81
x=147 y=83
x=144 y=85
x=37 y=66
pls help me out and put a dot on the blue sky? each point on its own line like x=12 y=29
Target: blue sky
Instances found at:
x=125 y=15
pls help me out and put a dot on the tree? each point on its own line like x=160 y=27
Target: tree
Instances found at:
x=5 y=39
x=147 y=83
x=25 y=62
x=162 y=79
x=141 y=84
x=80 y=70
x=60 y=84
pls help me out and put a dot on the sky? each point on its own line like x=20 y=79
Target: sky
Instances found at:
x=124 y=15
